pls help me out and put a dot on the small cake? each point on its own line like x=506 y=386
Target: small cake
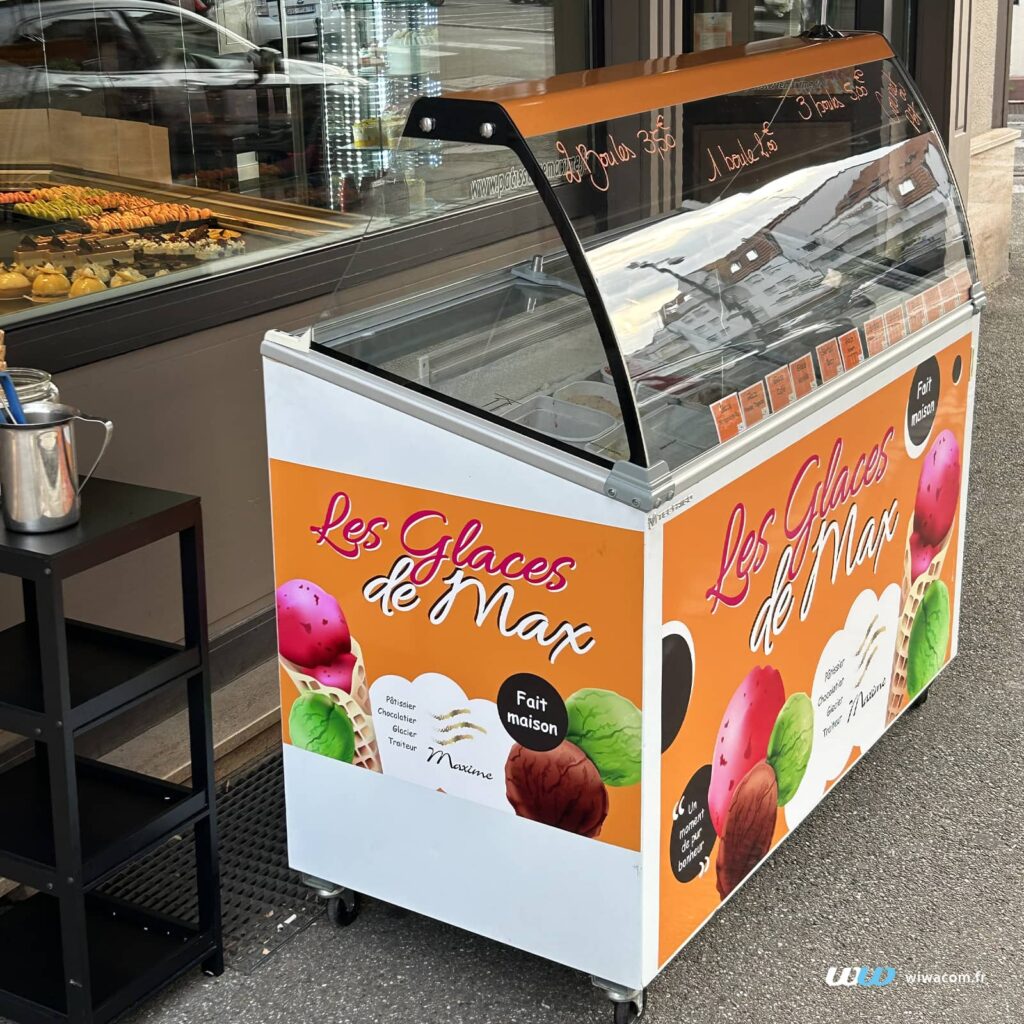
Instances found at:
x=104 y=242
x=96 y=270
x=217 y=248
x=85 y=281
x=50 y=285
x=126 y=275
x=33 y=270
x=171 y=244
x=372 y=55
x=13 y=284
x=366 y=133
x=405 y=49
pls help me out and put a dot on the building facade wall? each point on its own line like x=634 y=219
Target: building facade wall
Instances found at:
x=1017 y=55
x=984 y=45
x=990 y=192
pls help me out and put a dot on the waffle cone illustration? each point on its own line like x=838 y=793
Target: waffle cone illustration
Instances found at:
x=355 y=704
x=912 y=592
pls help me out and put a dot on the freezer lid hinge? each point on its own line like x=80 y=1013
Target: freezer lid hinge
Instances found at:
x=644 y=489
x=300 y=341
x=979 y=297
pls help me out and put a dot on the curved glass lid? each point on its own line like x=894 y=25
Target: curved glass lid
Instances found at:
x=485 y=310
x=698 y=266
x=753 y=246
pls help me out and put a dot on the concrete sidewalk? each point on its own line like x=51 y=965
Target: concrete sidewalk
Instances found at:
x=915 y=861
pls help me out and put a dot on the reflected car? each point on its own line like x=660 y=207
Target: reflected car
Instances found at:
x=300 y=22
x=90 y=45
x=217 y=92
x=300 y=18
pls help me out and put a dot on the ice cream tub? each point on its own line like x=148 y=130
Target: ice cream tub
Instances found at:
x=591 y=394
x=568 y=421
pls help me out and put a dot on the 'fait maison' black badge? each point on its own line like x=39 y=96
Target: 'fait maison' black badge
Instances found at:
x=532 y=711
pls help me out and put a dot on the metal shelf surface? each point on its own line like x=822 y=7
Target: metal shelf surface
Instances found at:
x=132 y=951
x=106 y=669
x=121 y=814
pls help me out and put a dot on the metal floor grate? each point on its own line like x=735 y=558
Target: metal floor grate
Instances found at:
x=264 y=902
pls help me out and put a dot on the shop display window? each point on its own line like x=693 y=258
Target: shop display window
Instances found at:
x=145 y=143
x=711 y=24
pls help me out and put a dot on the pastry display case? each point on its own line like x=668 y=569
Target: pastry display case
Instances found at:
x=78 y=236
x=602 y=557
x=151 y=152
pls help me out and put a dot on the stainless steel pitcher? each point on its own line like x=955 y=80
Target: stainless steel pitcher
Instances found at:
x=38 y=469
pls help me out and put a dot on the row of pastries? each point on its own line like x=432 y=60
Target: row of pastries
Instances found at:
x=45 y=282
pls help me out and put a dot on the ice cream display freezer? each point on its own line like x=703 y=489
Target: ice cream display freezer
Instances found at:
x=607 y=548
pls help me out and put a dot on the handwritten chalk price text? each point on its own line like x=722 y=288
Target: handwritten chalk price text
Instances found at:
x=853 y=91
x=762 y=147
x=895 y=101
x=596 y=165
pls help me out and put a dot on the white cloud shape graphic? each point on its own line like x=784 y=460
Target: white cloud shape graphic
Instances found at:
x=430 y=733
x=850 y=693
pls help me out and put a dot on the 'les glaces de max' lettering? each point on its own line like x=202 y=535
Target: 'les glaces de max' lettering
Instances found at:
x=427 y=549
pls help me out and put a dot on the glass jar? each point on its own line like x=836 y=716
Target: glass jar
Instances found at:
x=33 y=385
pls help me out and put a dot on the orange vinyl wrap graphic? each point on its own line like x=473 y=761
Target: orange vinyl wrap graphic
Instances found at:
x=485 y=651
x=806 y=603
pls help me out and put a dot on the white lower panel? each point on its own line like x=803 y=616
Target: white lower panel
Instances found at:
x=555 y=894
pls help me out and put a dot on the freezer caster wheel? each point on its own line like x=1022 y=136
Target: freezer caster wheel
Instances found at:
x=344 y=908
x=626 y=1013
x=919 y=700
x=628 y=1002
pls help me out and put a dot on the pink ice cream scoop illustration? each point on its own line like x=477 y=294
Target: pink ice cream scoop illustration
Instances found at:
x=311 y=628
x=938 y=494
x=338 y=675
x=743 y=736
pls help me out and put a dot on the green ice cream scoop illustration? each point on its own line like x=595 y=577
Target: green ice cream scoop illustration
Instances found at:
x=606 y=727
x=789 y=746
x=929 y=638
x=317 y=724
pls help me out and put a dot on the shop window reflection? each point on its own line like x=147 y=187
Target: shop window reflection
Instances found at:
x=328 y=81
x=281 y=120
x=711 y=24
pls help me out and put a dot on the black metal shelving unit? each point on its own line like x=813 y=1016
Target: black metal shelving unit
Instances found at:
x=70 y=952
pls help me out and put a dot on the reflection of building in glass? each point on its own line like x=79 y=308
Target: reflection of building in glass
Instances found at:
x=904 y=173
x=751 y=257
x=866 y=233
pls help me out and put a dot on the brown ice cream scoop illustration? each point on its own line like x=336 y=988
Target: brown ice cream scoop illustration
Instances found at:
x=749 y=826
x=559 y=787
